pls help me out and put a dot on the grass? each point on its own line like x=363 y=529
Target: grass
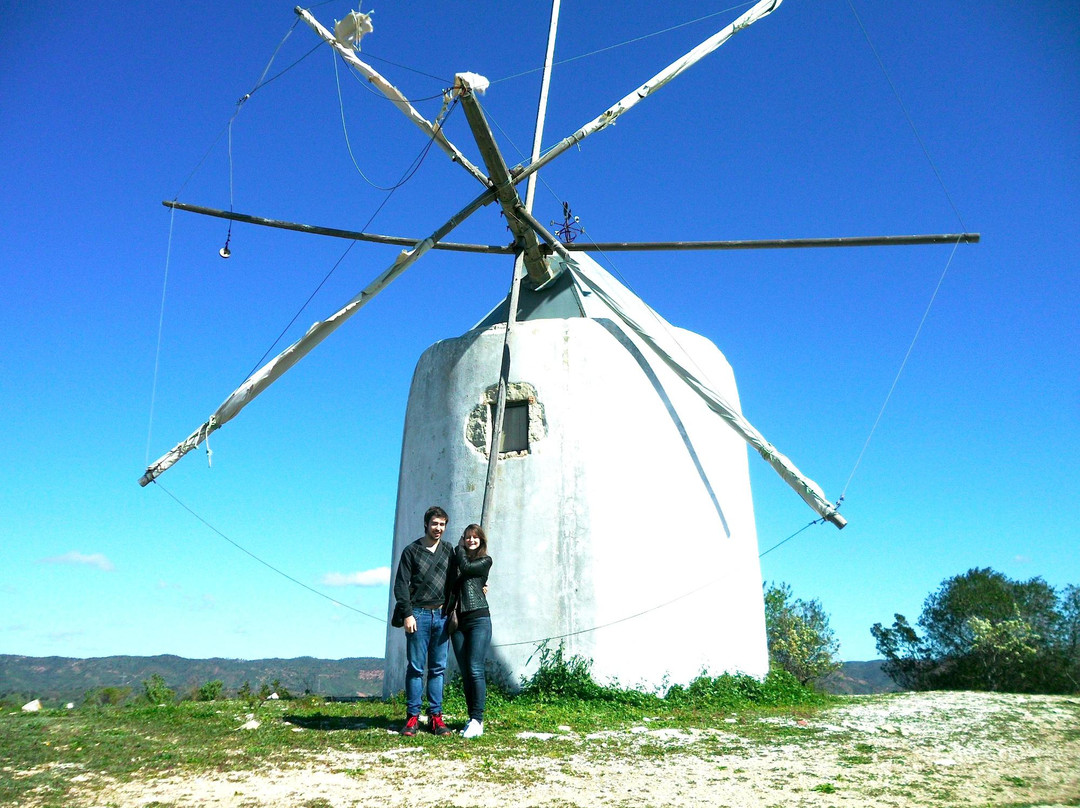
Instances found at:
x=43 y=754
x=52 y=757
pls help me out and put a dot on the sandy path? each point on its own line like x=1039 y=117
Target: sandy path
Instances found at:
x=903 y=750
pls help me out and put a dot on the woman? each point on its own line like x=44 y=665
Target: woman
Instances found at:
x=473 y=636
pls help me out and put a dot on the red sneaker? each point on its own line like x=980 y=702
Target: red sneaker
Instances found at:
x=411 y=723
x=438 y=726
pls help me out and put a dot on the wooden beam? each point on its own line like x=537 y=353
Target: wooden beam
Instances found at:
x=353 y=235
x=503 y=183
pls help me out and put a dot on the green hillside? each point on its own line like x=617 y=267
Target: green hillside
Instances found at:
x=63 y=679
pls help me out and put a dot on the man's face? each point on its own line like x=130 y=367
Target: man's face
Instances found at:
x=436 y=527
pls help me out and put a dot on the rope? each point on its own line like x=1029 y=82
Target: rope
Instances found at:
x=161 y=328
x=653 y=608
x=903 y=364
x=911 y=123
x=348 y=145
x=627 y=42
x=288 y=577
x=444 y=82
x=265 y=563
x=410 y=172
x=948 y=263
x=258 y=86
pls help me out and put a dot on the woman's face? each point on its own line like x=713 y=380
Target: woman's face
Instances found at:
x=470 y=541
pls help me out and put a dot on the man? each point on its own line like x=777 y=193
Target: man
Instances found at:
x=425 y=576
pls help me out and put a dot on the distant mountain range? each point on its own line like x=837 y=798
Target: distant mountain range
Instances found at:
x=859 y=678
x=64 y=679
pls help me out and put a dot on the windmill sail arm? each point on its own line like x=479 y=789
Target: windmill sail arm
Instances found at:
x=680 y=65
x=276 y=367
x=393 y=93
x=806 y=488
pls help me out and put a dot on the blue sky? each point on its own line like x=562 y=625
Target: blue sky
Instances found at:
x=790 y=130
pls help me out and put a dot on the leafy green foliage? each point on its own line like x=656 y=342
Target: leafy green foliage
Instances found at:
x=107 y=696
x=211 y=691
x=801 y=641
x=570 y=678
x=737 y=692
x=984 y=631
x=157 y=691
x=560 y=676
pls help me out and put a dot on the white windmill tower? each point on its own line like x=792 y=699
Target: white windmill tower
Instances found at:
x=622 y=488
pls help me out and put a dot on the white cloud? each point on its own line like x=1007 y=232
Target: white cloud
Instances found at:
x=93 y=560
x=380 y=576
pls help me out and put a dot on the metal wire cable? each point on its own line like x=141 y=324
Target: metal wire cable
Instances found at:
x=644 y=612
x=627 y=42
x=410 y=172
x=266 y=564
x=900 y=371
x=161 y=329
x=314 y=591
x=907 y=116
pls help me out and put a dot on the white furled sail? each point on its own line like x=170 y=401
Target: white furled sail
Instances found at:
x=272 y=370
x=350 y=30
x=394 y=94
x=657 y=334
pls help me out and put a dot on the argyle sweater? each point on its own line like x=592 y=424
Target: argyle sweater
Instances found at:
x=423 y=578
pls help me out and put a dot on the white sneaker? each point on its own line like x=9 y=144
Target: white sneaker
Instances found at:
x=474 y=729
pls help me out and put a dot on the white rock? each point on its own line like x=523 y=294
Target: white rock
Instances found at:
x=32 y=706
x=536 y=736
x=252 y=724
x=70 y=705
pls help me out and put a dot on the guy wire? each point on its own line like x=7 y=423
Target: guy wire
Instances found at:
x=261 y=561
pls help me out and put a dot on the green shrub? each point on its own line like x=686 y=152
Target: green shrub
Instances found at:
x=738 y=691
x=561 y=677
x=157 y=691
x=211 y=691
x=107 y=696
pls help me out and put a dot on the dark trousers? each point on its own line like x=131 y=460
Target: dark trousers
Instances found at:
x=471 y=642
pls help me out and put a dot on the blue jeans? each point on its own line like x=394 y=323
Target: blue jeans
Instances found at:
x=426 y=648
x=471 y=642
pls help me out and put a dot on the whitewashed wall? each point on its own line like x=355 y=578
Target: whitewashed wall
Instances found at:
x=606 y=517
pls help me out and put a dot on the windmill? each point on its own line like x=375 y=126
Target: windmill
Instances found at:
x=570 y=410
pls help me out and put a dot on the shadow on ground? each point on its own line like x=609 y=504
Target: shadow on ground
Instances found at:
x=332 y=722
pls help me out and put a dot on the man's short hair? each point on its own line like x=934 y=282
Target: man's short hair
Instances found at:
x=433 y=512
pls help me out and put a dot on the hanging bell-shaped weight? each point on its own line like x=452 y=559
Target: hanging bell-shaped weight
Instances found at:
x=225 y=252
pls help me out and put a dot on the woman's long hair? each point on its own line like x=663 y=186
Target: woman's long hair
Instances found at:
x=476 y=530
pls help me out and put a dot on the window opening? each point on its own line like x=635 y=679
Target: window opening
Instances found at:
x=515 y=434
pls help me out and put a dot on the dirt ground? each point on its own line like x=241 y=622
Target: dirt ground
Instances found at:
x=912 y=749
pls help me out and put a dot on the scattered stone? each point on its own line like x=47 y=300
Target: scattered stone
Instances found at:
x=536 y=736
x=32 y=706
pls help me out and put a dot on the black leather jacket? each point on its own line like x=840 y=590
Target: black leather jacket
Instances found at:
x=472 y=577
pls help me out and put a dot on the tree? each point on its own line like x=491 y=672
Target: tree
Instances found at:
x=800 y=639
x=984 y=631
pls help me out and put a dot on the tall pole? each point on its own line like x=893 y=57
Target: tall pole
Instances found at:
x=487 y=510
